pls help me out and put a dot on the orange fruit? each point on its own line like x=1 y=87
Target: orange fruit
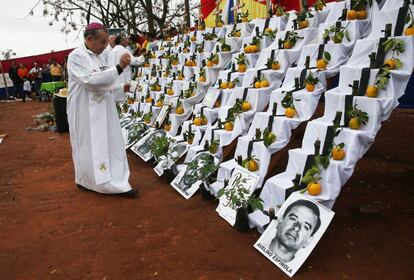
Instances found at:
x=223 y=85
x=193 y=38
x=303 y=24
x=167 y=127
x=230 y=85
x=202 y=79
x=409 y=31
x=148 y=99
x=338 y=153
x=228 y=126
x=242 y=68
x=210 y=63
x=351 y=15
x=310 y=87
x=197 y=121
x=264 y=83
x=372 y=91
x=268 y=30
x=181 y=77
x=237 y=34
x=216 y=60
x=170 y=91
x=159 y=103
x=314 y=188
x=254 y=48
x=354 y=123
x=321 y=64
x=275 y=66
x=147 y=121
x=361 y=14
x=391 y=63
x=190 y=141
x=257 y=84
x=245 y=106
x=252 y=165
x=287 y=45
x=158 y=88
x=290 y=112
x=204 y=120
x=245 y=19
x=179 y=110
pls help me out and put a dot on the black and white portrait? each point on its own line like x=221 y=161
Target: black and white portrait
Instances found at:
x=191 y=176
x=142 y=147
x=289 y=239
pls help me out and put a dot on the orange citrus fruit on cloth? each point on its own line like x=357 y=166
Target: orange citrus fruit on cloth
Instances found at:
x=210 y=63
x=170 y=91
x=242 y=68
x=230 y=85
x=310 y=87
x=391 y=63
x=321 y=64
x=303 y=24
x=257 y=84
x=202 y=79
x=314 y=188
x=252 y=165
x=290 y=112
x=228 y=126
x=351 y=15
x=361 y=14
x=167 y=127
x=179 y=110
x=264 y=83
x=223 y=85
x=275 y=66
x=409 y=31
x=287 y=45
x=338 y=153
x=245 y=106
x=197 y=121
x=372 y=91
x=354 y=123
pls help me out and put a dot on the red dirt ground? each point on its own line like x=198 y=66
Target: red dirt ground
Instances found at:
x=51 y=230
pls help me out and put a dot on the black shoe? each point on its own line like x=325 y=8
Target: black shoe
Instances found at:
x=130 y=194
x=83 y=188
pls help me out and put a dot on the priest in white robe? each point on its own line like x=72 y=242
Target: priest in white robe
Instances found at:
x=95 y=134
x=114 y=56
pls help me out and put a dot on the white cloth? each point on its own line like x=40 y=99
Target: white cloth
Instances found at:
x=95 y=133
x=125 y=77
x=27 y=86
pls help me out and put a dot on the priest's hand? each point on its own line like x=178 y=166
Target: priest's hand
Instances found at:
x=125 y=60
x=127 y=87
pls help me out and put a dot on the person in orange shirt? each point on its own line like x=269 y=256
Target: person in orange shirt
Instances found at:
x=23 y=72
x=55 y=71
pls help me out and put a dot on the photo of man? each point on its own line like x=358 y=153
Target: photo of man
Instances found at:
x=290 y=238
x=300 y=221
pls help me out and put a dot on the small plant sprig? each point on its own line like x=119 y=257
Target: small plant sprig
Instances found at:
x=338 y=35
x=397 y=46
x=355 y=112
x=382 y=78
x=318 y=6
x=239 y=197
x=269 y=137
x=311 y=80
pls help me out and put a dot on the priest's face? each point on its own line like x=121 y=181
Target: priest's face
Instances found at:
x=97 y=43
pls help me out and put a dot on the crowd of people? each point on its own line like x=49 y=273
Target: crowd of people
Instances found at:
x=28 y=82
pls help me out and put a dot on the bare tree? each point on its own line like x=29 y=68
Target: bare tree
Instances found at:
x=6 y=55
x=137 y=16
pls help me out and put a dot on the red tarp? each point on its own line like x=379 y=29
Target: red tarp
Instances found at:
x=40 y=59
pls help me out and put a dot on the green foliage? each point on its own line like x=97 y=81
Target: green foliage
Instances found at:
x=383 y=77
x=239 y=197
x=311 y=80
x=269 y=137
x=337 y=35
x=159 y=147
x=354 y=112
x=396 y=45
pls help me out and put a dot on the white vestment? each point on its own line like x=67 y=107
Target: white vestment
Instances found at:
x=126 y=76
x=95 y=133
